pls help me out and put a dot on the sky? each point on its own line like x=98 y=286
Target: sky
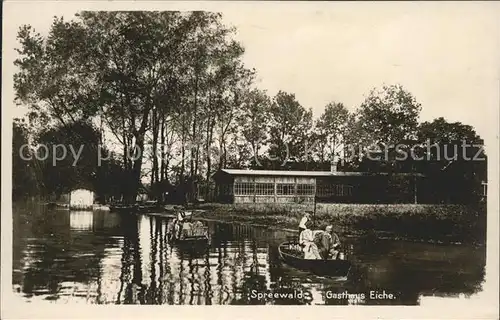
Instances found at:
x=446 y=54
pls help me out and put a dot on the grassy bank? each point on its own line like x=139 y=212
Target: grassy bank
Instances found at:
x=443 y=223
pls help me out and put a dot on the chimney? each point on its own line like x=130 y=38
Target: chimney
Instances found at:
x=333 y=164
x=333 y=168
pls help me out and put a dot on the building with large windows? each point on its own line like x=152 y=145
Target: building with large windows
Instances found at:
x=274 y=186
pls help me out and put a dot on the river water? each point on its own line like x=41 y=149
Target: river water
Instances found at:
x=100 y=257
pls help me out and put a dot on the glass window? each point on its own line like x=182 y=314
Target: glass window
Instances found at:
x=305 y=189
x=339 y=190
x=286 y=189
x=264 y=189
x=321 y=190
x=244 y=188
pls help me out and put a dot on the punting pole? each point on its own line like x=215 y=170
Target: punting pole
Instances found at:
x=314 y=211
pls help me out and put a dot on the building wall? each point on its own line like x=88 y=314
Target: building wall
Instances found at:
x=265 y=189
x=81 y=199
x=337 y=189
x=334 y=189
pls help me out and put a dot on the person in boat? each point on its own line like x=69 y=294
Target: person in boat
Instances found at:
x=180 y=216
x=328 y=243
x=187 y=227
x=198 y=228
x=178 y=224
x=310 y=249
x=171 y=229
x=304 y=221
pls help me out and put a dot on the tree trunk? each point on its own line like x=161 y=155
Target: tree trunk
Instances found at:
x=154 y=171
x=221 y=155
x=210 y=131
x=124 y=191
x=183 y=162
x=183 y=155
x=194 y=157
x=224 y=154
x=137 y=165
x=156 y=166
x=162 y=150
x=136 y=168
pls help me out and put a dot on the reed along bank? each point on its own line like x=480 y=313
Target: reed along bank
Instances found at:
x=415 y=222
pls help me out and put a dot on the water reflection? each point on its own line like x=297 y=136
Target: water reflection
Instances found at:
x=81 y=220
x=105 y=258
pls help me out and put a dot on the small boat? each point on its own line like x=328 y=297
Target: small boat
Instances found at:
x=58 y=206
x=193 y=241
x=135 y=208
x=196 y=237
x=291 y=254
x=150 y=206
x=101 y=207
x=192 y=247
x=121 y=208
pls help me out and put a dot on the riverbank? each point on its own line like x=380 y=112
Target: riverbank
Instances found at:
x=417 y=222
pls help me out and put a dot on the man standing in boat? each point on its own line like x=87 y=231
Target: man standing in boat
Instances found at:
x=304 y=221
x=177 y=225
x=171 y=229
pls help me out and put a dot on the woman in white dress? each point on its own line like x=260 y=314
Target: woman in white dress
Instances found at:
x=306 y=240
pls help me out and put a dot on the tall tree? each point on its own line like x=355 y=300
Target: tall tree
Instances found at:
x=138 y=55
x=291 y=125
x=333 y=129
x=71 y=154
x=229 y=110
x=253 y=120
x=133 y=70
x=388 y=116
x=54 y=79
x=452 y=156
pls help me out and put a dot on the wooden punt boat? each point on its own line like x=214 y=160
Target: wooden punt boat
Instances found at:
x=57 y=206
x=123 y=209
x=193 y=241
x=134 y=208
x=290 y=254
x=196 y=238
x=191 y=247
x=194 y=246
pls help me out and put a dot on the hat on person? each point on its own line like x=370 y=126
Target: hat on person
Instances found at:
x=329 y=228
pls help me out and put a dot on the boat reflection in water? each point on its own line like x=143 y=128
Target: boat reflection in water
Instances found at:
x=105 y=257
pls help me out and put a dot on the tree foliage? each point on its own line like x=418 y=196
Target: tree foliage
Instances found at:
x=333 y=130
x=133 y=71
x=291 y=125
x=455 y=160
x=69 y=157
x=253 y=120
x=388 y=116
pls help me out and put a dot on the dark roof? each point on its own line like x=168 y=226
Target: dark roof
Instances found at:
x=289 y=173
x=86 y=185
